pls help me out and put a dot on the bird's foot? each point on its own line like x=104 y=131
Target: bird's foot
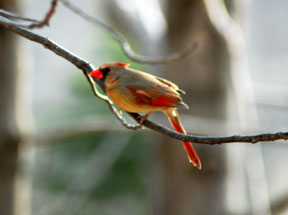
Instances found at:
x=142 y=118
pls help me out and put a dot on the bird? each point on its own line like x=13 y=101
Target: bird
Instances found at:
x=139 y=92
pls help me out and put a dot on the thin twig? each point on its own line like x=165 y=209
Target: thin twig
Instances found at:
x=87 y=68
x=125 y=45
x=34 y=23
x=46 y=19
x=13 y=16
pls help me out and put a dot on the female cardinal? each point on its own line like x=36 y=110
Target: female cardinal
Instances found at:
x=138 y=92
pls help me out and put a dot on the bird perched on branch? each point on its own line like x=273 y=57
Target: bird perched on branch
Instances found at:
x=138 y=92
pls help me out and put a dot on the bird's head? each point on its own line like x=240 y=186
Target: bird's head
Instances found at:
x=107 y=69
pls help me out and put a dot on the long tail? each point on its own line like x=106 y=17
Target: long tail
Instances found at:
x=176 y=123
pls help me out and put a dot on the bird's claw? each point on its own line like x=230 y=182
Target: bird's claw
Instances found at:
x=141 y=120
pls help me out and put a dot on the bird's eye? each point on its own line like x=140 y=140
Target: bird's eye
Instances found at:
x=105 y=70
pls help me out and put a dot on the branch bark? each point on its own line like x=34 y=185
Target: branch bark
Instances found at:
x=46 y=19
x=34 y=23
x=87 y=68
x=77 y=61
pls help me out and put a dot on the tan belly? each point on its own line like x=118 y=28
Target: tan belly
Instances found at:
x=127 y=102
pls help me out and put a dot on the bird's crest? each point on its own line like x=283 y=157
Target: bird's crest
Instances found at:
x=122 y=64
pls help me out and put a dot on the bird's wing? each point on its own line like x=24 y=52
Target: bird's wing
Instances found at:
x=158 y=96
x=170 y=84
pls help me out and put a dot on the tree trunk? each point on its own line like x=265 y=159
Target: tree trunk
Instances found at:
x=179 y=188
x=9 y=133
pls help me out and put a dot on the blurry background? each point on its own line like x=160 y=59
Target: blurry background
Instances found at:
x=68 y=154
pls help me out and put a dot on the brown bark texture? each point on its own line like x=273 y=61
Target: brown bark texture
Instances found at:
x=9 y=133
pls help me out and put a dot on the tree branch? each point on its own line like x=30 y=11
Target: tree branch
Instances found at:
x=34 y=23
x=77 y=61
x=125 y=45
x=87 y=68
x=212 y=140
x=47 y=18
x=10 y=15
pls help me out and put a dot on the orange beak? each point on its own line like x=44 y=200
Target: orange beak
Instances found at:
x=97 y=74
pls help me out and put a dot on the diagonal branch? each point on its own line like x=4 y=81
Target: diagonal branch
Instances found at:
x=87 y=68
x=125 y=45
x=77 y=61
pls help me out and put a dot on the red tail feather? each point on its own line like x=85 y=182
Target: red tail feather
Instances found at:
x=192 y=155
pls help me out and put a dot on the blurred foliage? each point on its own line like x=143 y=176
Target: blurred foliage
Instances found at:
x=60 y=171
x=67 y=157
x=127 y=173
